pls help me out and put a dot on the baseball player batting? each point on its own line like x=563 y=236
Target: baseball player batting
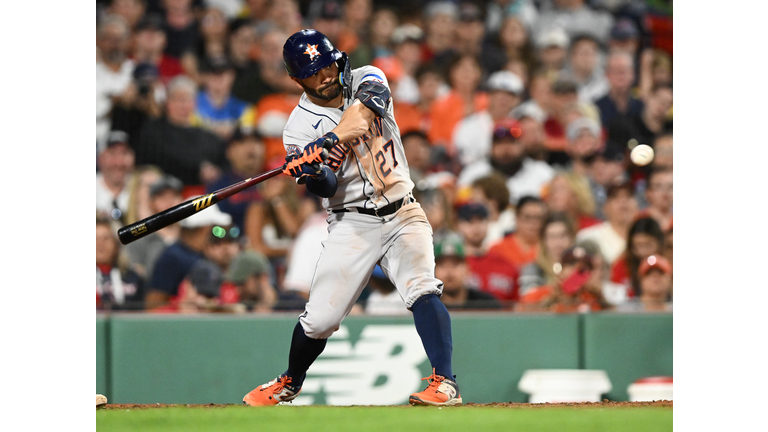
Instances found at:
x=373 y=218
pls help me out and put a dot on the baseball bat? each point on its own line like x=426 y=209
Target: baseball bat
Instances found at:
x=158 y=221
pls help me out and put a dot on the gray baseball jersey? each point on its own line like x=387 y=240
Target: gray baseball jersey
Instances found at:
x=372 y=171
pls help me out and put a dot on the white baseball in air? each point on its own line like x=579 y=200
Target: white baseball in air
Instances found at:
x=641 y=155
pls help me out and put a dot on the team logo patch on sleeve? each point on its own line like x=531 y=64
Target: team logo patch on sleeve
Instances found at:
x=312 y=52
x=293 y=151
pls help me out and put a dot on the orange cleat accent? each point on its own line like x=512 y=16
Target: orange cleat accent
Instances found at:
x=272 y=393
x=440 y=392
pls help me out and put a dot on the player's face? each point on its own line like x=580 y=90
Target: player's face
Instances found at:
x=323 y=85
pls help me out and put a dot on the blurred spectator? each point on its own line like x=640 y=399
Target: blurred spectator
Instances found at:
x=614 y=293
x=140 y=102
x=356 y=18
x=575 y=17
x=383 y=22
x=655 y=71
x=470 y=30
x=584 y=142
x=573 y=290
x=645 y=126
x=452 y=269
x=149 y=42
x=490 y=273
x=551 y=51
x=437 y=208
x=524 y=176
x=655 y=295
x=115 y=166
x=272 y=77
x=138 y=192
x=406 y=46
x=242 y=42
x=564 y=93
x=384 y=298
x=245 y=153
x=557 y=235
x=171 y=142
x=619 y=102
x=571 y=194
x=625 y=37
x=496 y=10
x=247 y=281
x=199 y=291
x=658 y=195
x=225 y=244
x=181 y=27
x=117 y=286
x=464 y=98
x=325 y=17
x=531 y=121
x=441 y=19
x=586 y=68
x=418 y=152
x=522 y=246
x=472 y=135
x=113 y=71
x=645 y=239
x=175 y=262
x=512 y=42
x=213 y=34
x=256 y=11
x=492 y=193
x=216 y=109
x=142 y=255
x=431 y=87
x=130 y=10
x=620 y=209
x=662 y=151
x=607 y=165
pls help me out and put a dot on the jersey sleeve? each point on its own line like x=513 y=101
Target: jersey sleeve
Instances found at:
x=369 y=73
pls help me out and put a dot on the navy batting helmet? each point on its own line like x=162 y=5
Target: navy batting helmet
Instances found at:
x=308 y=51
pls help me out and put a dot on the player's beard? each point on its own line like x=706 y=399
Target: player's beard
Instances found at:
x=328 y=92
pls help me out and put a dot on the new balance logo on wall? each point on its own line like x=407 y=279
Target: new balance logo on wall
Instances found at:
x=380 y=369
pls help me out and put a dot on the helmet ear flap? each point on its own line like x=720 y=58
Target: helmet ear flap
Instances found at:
x=345 y=75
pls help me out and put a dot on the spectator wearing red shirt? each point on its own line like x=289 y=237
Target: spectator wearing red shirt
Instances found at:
x=522 y=246
x=452 y=269
x=571 y=194
x=490 y=273
x=149 y=43
x=247 y=281
x=565 y=92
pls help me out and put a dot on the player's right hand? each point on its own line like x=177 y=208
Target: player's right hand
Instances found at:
x=296 y=166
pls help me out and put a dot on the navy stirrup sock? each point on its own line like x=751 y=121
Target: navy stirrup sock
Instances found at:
x=434 y=327
x=304 y=351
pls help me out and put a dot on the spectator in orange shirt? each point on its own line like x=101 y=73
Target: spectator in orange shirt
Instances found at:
x=574 y=288
x=522 y=246
x=464 y=75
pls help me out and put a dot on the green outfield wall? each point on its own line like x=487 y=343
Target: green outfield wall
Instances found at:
x=200 y=359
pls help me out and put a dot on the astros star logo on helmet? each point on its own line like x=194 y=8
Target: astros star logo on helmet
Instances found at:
x=312 y=51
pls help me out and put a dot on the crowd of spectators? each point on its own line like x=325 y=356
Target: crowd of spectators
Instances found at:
x=517 y=118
